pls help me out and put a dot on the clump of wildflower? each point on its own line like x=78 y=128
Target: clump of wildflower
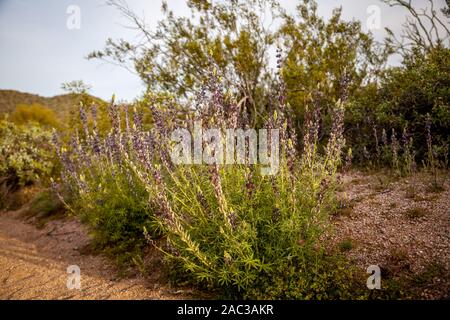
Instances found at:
x=394 y=150
x=408 y=153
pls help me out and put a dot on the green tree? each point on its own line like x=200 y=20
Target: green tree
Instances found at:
x=419 y=87
x=91 y=106
x=232 y=36
x=321 y=53
x=406 y=94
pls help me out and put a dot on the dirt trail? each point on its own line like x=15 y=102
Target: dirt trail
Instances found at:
x=33 y=265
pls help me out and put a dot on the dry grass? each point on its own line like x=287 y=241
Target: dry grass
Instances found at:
x=416 y=212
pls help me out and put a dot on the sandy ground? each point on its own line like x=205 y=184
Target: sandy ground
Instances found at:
x=399 y=224
x=34 y=262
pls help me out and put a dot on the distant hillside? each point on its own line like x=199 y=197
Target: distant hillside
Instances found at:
x=61 y=104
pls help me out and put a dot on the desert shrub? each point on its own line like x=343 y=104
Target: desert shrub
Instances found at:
x=318 y=276
x=44 y=205
x=412 y=100
x=102 y=190
x=116 y=209
x=34 y=113
x=418 y=88
x=228 y=227
x=25 y=154
x=392 y=151
x=231 y=227
x=319 y=51
x=256 y=236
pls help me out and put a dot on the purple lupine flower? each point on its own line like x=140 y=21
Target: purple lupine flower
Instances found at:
x=84 y=121
x=249 y=185
x=232 y=220
x=384 y=137
x=217 y=184
x=137 y=119
x=127 y=121
x=95 y=141
x=56 y=143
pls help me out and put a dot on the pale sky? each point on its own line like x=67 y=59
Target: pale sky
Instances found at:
x=38 y=52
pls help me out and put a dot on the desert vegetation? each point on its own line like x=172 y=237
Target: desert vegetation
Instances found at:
x=362 y=160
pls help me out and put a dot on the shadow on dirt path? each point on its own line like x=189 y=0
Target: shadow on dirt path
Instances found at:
x=34 y=262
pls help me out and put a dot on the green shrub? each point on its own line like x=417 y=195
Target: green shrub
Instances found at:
x=416 y=213
x=104 y=193
x=34 y=113
x=346 y=245
x=46 y=203
x=226 y=227
x=318 y=276
x=115 y=209
x=408 y=99
x=265 y=244
x=250 y=235
x=26 y=154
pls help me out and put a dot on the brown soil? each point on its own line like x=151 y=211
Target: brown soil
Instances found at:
x=34 y=265
x=399 y=224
